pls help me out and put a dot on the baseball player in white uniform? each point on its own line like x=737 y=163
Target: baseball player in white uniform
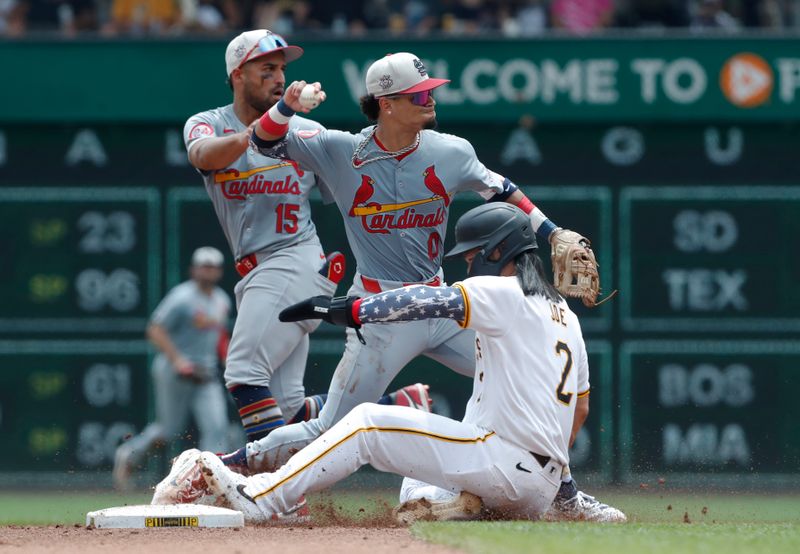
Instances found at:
x=262 y=205
x=185 y=328
x=531 y=373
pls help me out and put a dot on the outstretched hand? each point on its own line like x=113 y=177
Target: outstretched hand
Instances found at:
x=338 y=310
x=291 y=96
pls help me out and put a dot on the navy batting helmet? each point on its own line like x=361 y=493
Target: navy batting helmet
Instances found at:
x=494 y=225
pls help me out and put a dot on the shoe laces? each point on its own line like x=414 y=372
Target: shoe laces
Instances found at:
x=193 y=486
x=589 y=501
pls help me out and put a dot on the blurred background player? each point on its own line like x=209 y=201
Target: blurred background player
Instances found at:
x=186 y=328
x=263 y=208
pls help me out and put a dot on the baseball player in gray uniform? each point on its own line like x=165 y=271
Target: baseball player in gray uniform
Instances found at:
x=262 y=205
x=185 y=328
x=532 y=377
x=393 y=183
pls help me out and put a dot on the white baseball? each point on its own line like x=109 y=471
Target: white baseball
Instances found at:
x=309 y=97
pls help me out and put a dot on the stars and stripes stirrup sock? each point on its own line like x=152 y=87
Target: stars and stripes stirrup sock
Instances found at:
x=258 y=410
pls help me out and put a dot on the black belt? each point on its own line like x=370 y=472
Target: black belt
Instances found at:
x=543 y=460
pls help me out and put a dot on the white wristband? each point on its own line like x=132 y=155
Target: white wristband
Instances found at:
x=276 y=116
x=537 y=218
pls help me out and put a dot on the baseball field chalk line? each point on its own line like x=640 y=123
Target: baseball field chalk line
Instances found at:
x=156 y=517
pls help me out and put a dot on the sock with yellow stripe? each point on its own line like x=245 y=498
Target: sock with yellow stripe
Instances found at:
x=258 y=410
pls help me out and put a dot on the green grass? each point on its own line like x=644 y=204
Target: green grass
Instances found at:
x=693 y=524
x=650 y=538
x=67 y=508
x=717 y=523
x=654 y=507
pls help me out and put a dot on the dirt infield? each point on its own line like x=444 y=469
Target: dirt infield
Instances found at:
x=285 y=540
x=342 y=524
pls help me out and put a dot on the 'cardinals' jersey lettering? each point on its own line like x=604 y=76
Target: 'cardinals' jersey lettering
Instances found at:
x=261 y=202
x=194 y=321
x=395 y=211
x=530 y=366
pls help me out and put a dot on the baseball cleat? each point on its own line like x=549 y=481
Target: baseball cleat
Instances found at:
x=334 y=267
x=570 y=504
x=231 y=488
x=299 y=513
x=466 y=506
x=415 y=396
x=184 y=484
x=229 y=485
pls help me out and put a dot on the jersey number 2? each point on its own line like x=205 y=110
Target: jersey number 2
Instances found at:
x=287 y=218
x=564 y=397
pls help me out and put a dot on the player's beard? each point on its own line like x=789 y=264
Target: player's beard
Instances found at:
x=258 y=101
x=431 y=124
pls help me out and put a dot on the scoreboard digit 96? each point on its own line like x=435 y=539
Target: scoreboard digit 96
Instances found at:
x=79 y=260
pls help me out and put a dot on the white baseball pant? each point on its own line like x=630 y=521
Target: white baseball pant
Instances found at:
x=449 y=454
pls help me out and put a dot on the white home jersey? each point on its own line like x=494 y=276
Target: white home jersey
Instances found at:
x=531 y=365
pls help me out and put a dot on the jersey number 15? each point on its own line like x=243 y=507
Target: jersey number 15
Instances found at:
x=286 y=221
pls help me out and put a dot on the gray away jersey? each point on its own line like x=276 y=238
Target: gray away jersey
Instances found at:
x=261 y=202
x=395 y=212
x=194 y=321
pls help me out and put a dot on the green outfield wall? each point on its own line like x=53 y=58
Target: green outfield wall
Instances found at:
x=563 y=80
x=678 y=158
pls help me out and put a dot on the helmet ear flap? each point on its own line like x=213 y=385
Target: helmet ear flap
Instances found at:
x=480 y=265
x=511 y=239
x=489 y=227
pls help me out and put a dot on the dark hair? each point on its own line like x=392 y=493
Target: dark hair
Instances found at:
x=370 y=107
x=531 y=276
x=230 y=82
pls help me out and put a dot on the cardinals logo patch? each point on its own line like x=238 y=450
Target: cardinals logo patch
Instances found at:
x=385 y=81
x=418 y=213
x=201 y=130
x=364 y=193
x=435 y=185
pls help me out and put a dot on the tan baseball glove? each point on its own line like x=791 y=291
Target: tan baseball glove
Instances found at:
x=574 y=266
